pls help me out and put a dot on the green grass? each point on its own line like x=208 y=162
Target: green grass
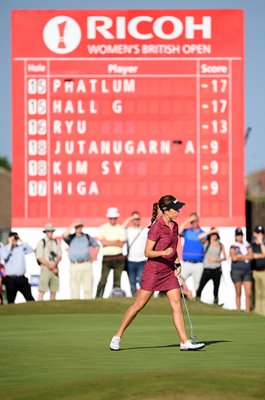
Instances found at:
x=60 y=350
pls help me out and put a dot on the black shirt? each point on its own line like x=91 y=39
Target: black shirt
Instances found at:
x=257 y=264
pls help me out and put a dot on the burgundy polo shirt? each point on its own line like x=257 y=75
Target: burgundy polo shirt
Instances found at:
x=164 y=238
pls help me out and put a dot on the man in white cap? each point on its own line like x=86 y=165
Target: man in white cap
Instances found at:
x=112 y=237
x=81 y=258
x=48 y=255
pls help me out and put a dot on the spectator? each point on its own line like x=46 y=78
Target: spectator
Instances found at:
x=2 y=271
x=81 y=258
x=112 y=237
x=13 y=255
x=214 y=254
x=48 y=255
x=193 y=251
x=258 y=265
x=136 y=236
x=241 y=254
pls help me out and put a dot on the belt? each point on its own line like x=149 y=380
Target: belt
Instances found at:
x=192 y=261
x=79 y=262
x=260 y=270
x=14 y=276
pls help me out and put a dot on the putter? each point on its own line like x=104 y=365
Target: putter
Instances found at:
x=192 y=337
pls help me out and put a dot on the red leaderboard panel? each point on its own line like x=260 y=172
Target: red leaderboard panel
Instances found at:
x=117 y=108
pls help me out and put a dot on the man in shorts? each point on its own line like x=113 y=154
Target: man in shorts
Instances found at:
x=48 y=255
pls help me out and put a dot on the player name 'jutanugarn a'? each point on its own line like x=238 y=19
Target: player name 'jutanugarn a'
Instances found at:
x=128 y=147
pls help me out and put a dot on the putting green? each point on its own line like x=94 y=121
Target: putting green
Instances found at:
x=59 y=350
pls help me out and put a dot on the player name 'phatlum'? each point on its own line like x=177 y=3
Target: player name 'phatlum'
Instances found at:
x=120 y=85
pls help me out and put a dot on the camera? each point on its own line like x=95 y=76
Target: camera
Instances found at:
x=52 y=256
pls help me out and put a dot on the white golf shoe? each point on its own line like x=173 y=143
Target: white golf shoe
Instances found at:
x=191 y=346
x=115 y=343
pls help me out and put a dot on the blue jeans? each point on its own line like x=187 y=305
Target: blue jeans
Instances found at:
x=135 y=270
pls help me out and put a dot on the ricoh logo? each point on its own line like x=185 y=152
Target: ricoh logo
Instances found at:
x=145 y=27
x=62 y=34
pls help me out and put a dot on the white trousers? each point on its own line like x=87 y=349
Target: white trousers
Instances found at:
x=81 y=274
x=192 y=269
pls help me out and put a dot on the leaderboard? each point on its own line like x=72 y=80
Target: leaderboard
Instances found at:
x=117 y=108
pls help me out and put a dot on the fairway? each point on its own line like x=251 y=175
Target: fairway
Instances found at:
x=60 y=350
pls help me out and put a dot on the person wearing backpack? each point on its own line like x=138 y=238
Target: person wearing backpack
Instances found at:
x=81 y=271
x=48 y=254
x=214 y=254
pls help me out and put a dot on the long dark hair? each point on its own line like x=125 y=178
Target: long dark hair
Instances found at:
x=163 y=201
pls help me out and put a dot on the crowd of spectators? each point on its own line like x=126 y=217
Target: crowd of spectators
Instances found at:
x=122 y=247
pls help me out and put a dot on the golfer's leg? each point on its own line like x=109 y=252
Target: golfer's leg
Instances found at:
x=248 y=291
x=141 y=300
x=174 y=299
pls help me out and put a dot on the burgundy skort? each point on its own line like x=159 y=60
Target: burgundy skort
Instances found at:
x=158 y=277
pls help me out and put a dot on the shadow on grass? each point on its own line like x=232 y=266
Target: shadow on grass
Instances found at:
x=207 y=342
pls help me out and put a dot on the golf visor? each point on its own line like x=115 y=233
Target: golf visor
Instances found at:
x=175 y=204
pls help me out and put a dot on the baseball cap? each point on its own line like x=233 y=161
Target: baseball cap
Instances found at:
x=78 y=222
x=175 y=204
x=13 y=234
x=259 y=229
x=238 y=232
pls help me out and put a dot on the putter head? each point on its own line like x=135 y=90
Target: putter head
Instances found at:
x=192 y=337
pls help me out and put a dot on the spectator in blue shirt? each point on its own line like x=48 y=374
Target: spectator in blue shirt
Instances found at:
x=13 y=255
x=193 y=251
x=81 y=272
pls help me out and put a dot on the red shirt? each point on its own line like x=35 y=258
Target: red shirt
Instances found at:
x=164 y=237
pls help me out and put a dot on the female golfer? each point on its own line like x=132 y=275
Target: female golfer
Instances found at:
x=160 y=271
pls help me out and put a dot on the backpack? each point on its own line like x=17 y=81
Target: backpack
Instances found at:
x=71 y=237
x=44 y=244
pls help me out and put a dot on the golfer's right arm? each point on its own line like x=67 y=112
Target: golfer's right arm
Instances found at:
x=150 y=253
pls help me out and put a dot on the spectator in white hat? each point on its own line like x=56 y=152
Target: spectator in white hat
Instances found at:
x=112 y=237
x=48 y=255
